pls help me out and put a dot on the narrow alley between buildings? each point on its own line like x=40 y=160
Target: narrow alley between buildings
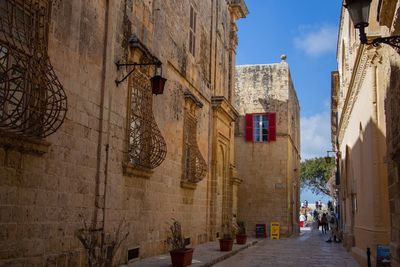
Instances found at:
x=309 y=248
x=153 y=133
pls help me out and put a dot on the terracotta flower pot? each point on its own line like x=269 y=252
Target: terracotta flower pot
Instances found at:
x=241 y=239
x=225 y=244
x=181 y=257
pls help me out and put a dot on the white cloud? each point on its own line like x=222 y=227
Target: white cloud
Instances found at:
x=317 y=41
x=315 y=135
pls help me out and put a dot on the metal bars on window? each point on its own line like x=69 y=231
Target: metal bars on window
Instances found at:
x=195 y=167
x=147 y=147
x=33 y=102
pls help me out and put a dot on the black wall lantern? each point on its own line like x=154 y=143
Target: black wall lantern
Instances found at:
x=359 y=13
x=328 y=158
x=157 y=81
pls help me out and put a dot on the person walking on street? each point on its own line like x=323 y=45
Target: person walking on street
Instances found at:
x=334 y=225
x=324 y=223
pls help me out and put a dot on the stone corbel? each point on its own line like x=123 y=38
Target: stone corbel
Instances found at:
x=374 y=55
x=192 y=103
x=27 y=145
x=235 y=179
x=238 y=9
x=136 y=171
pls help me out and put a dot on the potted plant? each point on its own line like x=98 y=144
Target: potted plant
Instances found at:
x=226 y=242
x=180 y=255
x=241 y=236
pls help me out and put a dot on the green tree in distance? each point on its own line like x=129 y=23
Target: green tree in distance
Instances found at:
x=315 y=173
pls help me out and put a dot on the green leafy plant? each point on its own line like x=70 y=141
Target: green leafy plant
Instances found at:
x=315 y=173
x=242 y=228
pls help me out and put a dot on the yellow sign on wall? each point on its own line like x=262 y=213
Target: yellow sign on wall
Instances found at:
x=274 y=230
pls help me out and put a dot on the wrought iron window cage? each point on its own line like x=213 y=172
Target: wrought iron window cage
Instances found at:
x=146 y=145
x=195 y=167
x=33 y=102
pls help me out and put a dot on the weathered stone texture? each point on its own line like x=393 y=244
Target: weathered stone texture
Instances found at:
x=46 y=188
x=270 y=188
x=362 y=134
x=392 y=111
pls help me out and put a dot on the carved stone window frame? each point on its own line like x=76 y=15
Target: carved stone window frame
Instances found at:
x=33 y=103
x=192 y=29
x=194 y=167
x=145 y=146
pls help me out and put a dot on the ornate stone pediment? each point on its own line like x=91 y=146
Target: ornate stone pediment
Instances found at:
x=238 y=8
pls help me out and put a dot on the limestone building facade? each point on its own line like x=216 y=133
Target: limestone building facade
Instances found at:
x=364 y=114
x=389 y=20
x=81 y=141
x=267 y=145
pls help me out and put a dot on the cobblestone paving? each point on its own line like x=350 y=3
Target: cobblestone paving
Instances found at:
x=309 y=249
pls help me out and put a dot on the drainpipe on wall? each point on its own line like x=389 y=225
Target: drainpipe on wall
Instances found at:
x=100 y=200
x=110 y=98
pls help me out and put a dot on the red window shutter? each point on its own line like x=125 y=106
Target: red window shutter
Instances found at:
x=249 y=127
x=271 y=127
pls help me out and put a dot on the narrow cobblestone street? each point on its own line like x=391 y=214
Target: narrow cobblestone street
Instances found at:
x=309 y=249
x=306 y=250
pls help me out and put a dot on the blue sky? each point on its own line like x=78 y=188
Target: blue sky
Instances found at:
x=306 y=32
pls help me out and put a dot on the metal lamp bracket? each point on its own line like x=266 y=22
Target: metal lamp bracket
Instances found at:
x=393 y=41
x=119 y=65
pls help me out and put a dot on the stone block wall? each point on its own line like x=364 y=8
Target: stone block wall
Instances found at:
x=393 y=145
x=269 y=191
x=48 y=187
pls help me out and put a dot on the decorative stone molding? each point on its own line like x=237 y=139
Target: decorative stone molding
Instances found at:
x=26 y=145
x=235 y=179
x=363 y=60
x=136 y=171
x=334 y=104
x=221 y=104
x=238 y=8
x=188 y=185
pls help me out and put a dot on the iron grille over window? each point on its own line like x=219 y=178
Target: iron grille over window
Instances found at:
x=32 y=100
x=146 y=145
x=195 y=167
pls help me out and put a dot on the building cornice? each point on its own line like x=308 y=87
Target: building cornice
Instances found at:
x=220 y=103
x=335 y=83
x=363 y=60
x=356 y=81
x=238 y=8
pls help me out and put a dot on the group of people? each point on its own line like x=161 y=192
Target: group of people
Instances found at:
x=318 y=205
x=326 y=219
x=329 y=222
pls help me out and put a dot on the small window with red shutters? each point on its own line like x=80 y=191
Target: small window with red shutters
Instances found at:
x=260 y=127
